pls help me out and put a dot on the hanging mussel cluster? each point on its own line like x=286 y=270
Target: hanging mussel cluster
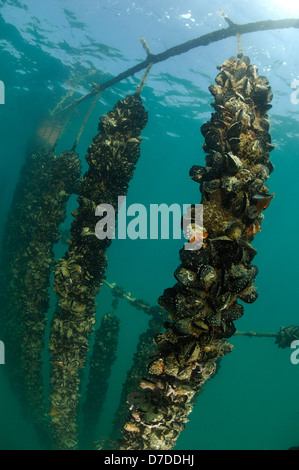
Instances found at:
x=112 y=158
x=145 y=348
x=203 y=304
x=39 y=207
x=102 y=359
x=286 y=336
x=20 y=230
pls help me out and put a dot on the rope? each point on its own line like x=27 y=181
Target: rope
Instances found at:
x=85 y=120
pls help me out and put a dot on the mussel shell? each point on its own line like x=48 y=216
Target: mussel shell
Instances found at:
x=270 y=166
x=266 y=108
x=270 y=96
x=156 y=367
x=205 y=128
x=241 y=278
x=246 y=60
x=225 y=251
x=269 y=147
x=219 y=79
x=216 y=288
x=230 y=185
x=233 y=163
x=194 y=259
x=213 y=141
x=211 y=186
x=216 y=120
x=184 y=326
x=253 y=71
x=265 y=125
x=263 y=81
x=251 y=212
x=239 y=74
x=215 y=161
x=262 y=95
x=220 y=99
x=220 y=302
x=256 y=186
x=234 y=142
x=187 y=277
x=234 y=312
x=211 y=173
x=261 y=197
x=265 y=136
x=167 y=300
x=197 y=173
x=200 y=324
x=228 y=63
x=215 y=89
x=207 y=276
x=188 y=305
x=214 y=318
x=239 y=204
x=234 y=130
x=261 y=171
x=229 y=329
x=249 y=252
x=249 y=295
x=233 y=230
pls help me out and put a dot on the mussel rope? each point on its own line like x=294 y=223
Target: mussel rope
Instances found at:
x=112 y=158
x=139 y=304
x=85 y=120
x=203 y=304
x=38 y=209
x=101 y=362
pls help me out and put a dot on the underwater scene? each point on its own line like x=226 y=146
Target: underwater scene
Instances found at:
x=149 y=225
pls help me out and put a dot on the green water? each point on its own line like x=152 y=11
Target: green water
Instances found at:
x=252 y=403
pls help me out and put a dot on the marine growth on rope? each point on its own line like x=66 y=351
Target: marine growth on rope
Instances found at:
x=203 y=305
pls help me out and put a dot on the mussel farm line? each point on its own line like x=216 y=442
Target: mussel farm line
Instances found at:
x=102 y=359
x=38 y=208
x=284 y=337
x=112 y=158
x=224 y=33
x=203 y=304
x=138 y=369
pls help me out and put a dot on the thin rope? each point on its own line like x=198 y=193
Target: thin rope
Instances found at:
x=85 y=120
x=143 y=80
x=240 y=47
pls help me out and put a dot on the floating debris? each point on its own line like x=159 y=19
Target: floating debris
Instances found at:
x=203 y=304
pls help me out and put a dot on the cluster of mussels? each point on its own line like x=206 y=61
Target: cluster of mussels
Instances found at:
x=203 y=304
x=286 y=336
x=102 y=359
x=112 y=158
x=145 y=348
x=39 y=207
